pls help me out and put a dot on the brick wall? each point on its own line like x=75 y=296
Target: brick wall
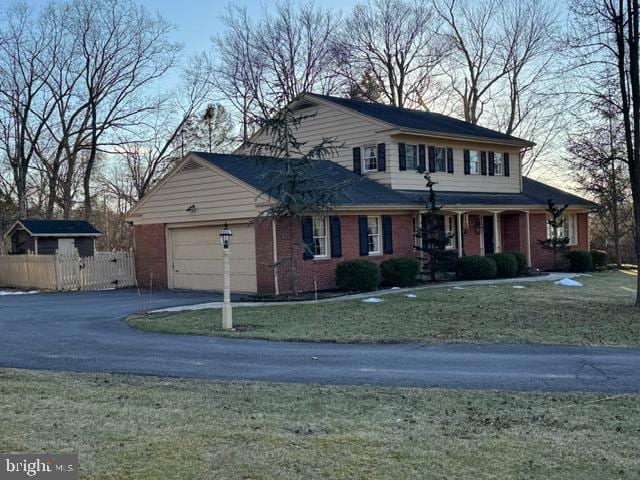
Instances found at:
x=151 y=255
x=471 y=240
x=543 y=259
x=320 y=272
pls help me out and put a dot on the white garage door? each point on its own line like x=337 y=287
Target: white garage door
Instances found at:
x=196 y=258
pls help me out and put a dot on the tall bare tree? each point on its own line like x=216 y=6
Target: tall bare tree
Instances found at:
x=399 y=43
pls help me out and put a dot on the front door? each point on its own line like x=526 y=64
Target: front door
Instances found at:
x=489 y=244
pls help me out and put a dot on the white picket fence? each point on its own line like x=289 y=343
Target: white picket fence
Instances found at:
x=68 y=271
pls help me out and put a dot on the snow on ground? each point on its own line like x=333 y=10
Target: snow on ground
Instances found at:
x=567 y=282
x=15 y=292
x=373 y=300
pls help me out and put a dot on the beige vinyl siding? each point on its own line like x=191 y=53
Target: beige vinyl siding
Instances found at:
x=348 y=128
x=457 y=181
x=216 y=197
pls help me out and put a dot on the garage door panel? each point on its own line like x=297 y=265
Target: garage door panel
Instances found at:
x=197 y=258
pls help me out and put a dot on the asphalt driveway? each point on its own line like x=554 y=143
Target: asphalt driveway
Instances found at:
x=85 y=332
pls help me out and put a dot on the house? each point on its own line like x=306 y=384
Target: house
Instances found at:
x=488 y=205
x=45 y=237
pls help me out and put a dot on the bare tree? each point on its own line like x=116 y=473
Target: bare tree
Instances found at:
x=399 y=43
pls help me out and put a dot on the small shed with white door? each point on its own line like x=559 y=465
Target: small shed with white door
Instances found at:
x=46 y=237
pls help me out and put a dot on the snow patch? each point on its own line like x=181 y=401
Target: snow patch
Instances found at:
x=373 y=300
x=518 y=286
x=411 y=295
x=5 y=292
x=458 y=288
x=567 y=282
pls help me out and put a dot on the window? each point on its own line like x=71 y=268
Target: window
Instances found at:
x=412 y=156
x=441 y=159
x=450 y=230
x=370 y=158
x=474 y=162
x=568 y=229
x=320 y=237
x=497 y=163
x=373 y=231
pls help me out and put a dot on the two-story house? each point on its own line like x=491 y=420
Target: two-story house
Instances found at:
x=488 y=205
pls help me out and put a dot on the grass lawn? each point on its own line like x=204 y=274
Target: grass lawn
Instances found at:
x=599 y=313
x=127 y=427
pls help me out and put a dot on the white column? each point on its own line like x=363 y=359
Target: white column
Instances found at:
x=528 y=239
x=459 y=233
x=496 y=233
x=227 y=321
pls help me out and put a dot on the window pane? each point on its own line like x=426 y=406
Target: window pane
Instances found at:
x=441 y=159
x=320 y=236
x=370 y=158
x=474 y=161
x=412 y=156
x=373 y=230
x=497 y=162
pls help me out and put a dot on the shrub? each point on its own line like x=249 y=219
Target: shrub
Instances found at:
x=599 y=259
x=522 y=262
x=359 y=275
x=579 y=261
x=476 y=267
x=400 y=272
x=446 y=260
x=506 y=264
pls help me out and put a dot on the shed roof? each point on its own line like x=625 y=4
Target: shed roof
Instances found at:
x=58 y=228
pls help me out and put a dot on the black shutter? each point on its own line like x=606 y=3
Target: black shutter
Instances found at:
x=483 y=163
x=449 y=160
x=505 y=164
x=336 y=237
x=357 y=160
x=382 y=157
x=442 y=234
x=467 y=163
x=402 y=155
x=422 y=161
x=432 y=159
x=492 y=164
x=387 y=234
x=307 y=238
x=363 y=231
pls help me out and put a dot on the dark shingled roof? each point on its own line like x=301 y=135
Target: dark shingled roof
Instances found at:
x=533 y=193
x=359 y=190
x=59 y=227
x=420 y=120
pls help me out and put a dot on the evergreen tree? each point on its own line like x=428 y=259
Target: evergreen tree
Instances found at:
x=557 y=243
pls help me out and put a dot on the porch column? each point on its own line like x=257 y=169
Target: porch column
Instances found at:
x=497 y=240
x=528 y=238
x=459 y=233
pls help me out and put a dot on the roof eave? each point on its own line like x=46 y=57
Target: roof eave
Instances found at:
x=517 y=142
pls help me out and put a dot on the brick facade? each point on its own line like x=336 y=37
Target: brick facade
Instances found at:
x=543 y=259
x=318 y=273
x=151 y=255
x=471 y=240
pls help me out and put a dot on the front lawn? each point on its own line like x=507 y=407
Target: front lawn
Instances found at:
x=127 y=427
x=599 y=313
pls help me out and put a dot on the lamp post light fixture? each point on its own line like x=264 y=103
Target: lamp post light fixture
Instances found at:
x=225 y=241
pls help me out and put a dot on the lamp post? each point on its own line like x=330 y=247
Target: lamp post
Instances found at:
x=225 y=240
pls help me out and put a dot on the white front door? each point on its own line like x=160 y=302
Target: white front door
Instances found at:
x=66 y=246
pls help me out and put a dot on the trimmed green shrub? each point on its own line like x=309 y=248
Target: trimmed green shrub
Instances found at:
x=359 y=275
x=522 y=262
x=506 y=264
x=599 y=258
x=446 y=260
x=475 y=267
x=579 y=261
x=400 y=272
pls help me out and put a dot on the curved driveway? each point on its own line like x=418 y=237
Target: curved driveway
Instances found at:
x=85 y=332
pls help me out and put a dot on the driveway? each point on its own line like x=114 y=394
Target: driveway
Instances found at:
x=86 y=332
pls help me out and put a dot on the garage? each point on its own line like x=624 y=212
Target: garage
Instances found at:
x=195 y=258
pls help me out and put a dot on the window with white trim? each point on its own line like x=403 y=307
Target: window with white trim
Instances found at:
x=569 y=228
x=441 y=159
x=474 y=162
x=370 y=159
x=373 y=233
x=450 y=231
x=497 y=163
x=411 y=155
x=320 y=237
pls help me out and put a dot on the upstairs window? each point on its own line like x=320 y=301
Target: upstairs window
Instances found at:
x=441 y=159
x=497 y=164
x=412 y=156
x=474 y=162
x=370 y=159
x=320 y=237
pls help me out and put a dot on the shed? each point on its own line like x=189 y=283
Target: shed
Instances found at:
x=45 y=237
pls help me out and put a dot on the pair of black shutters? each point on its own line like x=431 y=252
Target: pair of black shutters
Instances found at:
x=422 y=158
x=381 y=157
x=487 y=167
x=335 y=234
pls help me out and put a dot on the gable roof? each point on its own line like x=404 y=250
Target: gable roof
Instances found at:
x=533 y=193
x=427 y=122
x=57 y=228
x=357 y=190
